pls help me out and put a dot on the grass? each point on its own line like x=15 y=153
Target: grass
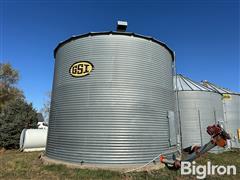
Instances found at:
x=18 y=165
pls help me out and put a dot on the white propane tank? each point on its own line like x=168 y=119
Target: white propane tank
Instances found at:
x=33 y=140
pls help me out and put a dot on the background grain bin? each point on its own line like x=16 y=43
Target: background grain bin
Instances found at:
x=198 y=107
x=231 y=107
x=121 y=111
x=33 y=139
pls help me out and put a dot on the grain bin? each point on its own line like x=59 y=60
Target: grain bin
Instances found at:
x=231 y=107
x=112 y=99
x=198 y=108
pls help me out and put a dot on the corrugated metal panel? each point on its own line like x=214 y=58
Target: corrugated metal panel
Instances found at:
x=231 y=107
x=118 y=113
x=232 y=117
x=198 y=108
x=197 y=111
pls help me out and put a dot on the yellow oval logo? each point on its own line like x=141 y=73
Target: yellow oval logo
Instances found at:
x=226 y=96
x=81 y=69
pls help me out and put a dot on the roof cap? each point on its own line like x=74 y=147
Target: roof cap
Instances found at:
x=122 y=26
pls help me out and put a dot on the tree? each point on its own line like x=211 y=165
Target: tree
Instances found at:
x=15 y=113
x=46 y=107
x=16 y=116
x=8 y=79
x=9 y=75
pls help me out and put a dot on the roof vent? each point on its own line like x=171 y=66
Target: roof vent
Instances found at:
x=122 y=26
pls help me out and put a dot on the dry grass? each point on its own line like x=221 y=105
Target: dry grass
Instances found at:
x=19 y=165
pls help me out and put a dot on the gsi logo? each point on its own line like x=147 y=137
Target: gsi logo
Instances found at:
x=81 y=69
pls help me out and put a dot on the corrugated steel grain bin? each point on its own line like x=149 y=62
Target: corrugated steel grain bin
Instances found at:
x=119 y=113
x=231 y=107
x=199 y=107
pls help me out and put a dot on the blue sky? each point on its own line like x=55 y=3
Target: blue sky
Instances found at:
x=204 y=35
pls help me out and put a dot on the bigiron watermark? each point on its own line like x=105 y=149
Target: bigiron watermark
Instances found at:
x=201 y=171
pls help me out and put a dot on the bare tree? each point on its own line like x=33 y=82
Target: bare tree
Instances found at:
x=46 y=107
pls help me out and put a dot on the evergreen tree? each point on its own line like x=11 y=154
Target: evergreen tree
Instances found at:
x=16 y=116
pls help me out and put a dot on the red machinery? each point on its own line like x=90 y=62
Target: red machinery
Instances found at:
x=218 y=138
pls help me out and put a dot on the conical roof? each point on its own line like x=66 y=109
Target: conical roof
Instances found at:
x=216 y=88
x=182 y=83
